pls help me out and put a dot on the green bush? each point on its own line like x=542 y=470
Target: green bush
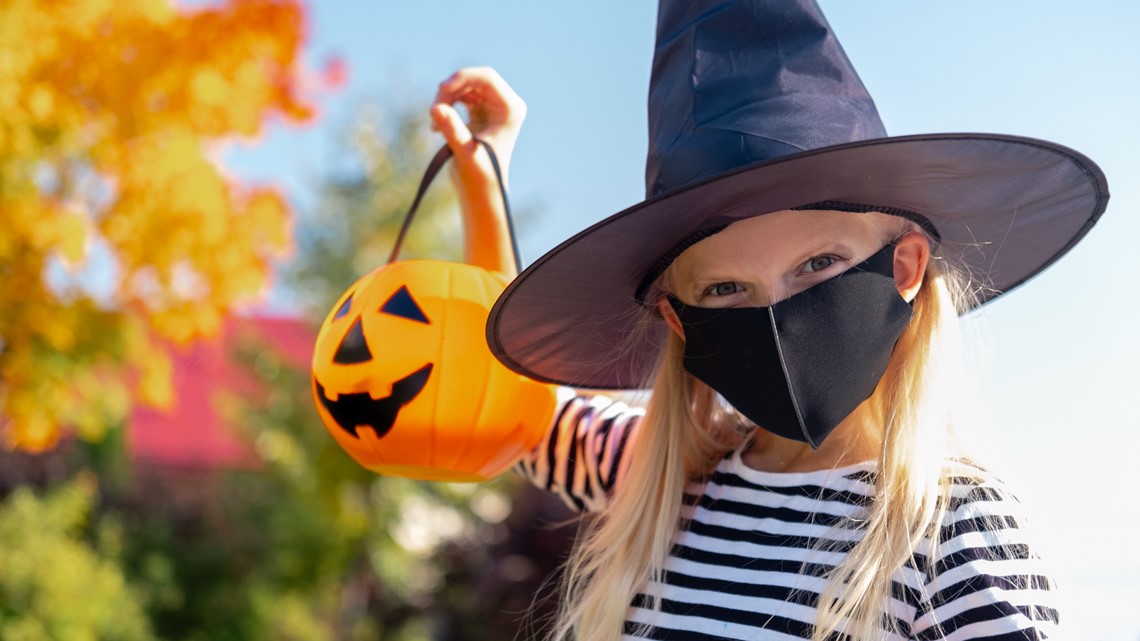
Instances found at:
x=55 y=583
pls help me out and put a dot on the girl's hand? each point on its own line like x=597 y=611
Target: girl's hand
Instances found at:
x=496 y=114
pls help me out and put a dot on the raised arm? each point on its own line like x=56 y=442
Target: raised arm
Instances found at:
x=495 y=115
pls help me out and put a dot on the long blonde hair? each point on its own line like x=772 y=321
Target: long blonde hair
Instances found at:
x=685 y=431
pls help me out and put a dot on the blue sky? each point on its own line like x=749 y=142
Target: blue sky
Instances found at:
x=1060 y=352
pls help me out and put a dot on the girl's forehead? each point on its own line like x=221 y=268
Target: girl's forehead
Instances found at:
x=807 y=224
x=788 y=234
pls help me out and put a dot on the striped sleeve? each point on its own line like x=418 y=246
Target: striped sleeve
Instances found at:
x=986 y=580
x=583 y=456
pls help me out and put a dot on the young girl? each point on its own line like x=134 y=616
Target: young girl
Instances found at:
x=790 y=289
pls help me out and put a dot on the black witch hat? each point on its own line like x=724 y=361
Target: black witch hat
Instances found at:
x=755 y=108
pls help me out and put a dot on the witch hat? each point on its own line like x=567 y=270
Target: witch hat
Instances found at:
x=755 y=108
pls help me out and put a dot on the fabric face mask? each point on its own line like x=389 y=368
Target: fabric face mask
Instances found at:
x=802 y=365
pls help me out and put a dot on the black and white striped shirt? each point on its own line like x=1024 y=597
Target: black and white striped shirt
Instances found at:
x=748 y=564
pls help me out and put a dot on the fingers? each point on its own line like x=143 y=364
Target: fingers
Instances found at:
x=494 y=115
x=473 y=166
x=472 y=80
x=486 y=94
x=447 y=121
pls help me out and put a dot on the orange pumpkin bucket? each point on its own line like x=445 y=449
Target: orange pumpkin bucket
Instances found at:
x=404 y=381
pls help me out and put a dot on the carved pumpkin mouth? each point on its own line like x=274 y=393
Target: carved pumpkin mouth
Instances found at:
x=351 y=411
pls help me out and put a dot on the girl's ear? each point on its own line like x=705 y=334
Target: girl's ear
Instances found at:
x=912 y=252
x=670 y=315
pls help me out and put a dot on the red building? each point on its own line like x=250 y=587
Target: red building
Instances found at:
x=193 y=432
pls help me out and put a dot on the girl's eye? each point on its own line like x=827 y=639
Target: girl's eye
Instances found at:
x=723 y=289
x=819 y=263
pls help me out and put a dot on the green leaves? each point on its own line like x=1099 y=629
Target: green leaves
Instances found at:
x=55 y=581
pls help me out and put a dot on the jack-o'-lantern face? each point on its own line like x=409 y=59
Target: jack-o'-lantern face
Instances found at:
x=351 y=410
x=405 y=383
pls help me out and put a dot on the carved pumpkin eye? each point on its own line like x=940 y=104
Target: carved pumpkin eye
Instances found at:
x=345 y=306
x=403 y=305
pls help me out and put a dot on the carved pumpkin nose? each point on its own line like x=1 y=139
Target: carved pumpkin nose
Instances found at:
x=353 y=348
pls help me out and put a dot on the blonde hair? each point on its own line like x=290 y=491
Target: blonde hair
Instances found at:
x=685 y=431
x=913 y=480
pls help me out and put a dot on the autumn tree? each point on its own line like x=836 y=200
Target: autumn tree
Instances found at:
x=121 y=233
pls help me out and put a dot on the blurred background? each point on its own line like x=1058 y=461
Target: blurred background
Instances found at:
x=187 y=189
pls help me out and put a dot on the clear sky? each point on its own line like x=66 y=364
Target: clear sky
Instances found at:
x=1061 y=352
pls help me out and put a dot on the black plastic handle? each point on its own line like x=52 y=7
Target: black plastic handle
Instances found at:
x=433 y=168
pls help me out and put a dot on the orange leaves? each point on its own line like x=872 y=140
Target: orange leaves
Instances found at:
x=107 y=110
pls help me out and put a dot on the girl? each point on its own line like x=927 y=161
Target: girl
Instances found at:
x=790 y=290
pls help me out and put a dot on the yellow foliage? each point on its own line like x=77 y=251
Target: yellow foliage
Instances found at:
x=31 y=430
x=71 y=236
x=107 y=110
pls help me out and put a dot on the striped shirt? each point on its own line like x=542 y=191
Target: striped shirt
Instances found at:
x=748 y=563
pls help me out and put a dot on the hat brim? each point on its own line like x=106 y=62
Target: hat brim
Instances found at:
x=1004 y=208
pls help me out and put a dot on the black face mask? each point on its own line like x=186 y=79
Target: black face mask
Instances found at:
x=801 y=366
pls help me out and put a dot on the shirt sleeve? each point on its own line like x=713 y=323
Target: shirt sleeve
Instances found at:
x=986 y=580
x=583 y=456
